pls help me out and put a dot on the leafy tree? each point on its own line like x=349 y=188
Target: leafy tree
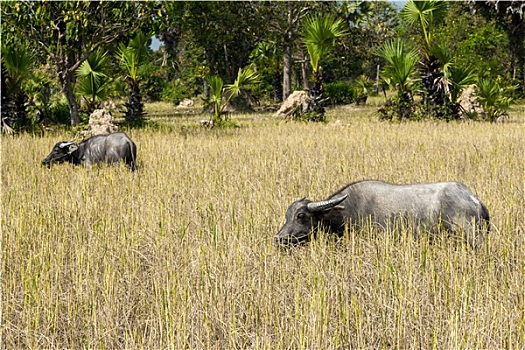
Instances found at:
x=266 y=58
x=16 y=70
x=221 y=95
x=281 y=24
x=509 y=16
x=68 y=32
x=319 y=37
x=131 y=58
x=370 y=24
x=474 y=40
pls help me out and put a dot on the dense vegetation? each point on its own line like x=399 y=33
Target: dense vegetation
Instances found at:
x=442 y=47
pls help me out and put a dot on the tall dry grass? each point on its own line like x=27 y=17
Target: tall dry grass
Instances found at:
x=179 y=255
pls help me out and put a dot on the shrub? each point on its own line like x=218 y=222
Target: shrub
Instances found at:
x=339 y=92
x=494 y=96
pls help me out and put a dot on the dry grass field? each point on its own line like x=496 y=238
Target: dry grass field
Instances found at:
x=180 y=255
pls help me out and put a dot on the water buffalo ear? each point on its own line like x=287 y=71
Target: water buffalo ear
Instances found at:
x=72 y=148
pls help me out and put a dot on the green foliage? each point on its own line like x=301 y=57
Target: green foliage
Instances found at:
x=459 y=77
x=423 y=14
x=267 y=59
x=174 y=92
x=65 y=33
x=221 y=95
x=152 y=80
x=362 y=88
x=132 y=57
x=320 y=34
x=401 y=74
x=17 y=62
x=93 y=82
x=60 y=112
x=339 y=92
x=400 y=70
x=494 y=96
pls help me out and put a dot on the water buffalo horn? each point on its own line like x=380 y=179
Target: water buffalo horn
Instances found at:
x=65 y=144
x=323 y=205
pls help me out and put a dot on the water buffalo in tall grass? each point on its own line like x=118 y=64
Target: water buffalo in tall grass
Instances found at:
x=428 y=207
x=110 y=148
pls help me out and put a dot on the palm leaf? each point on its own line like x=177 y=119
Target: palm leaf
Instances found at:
x=17 y=61
x=402 y=62
x=215 y=83
x=319 y=36
x=459 y=78
x=93 y=81
x=423 y=14
x=245 y=77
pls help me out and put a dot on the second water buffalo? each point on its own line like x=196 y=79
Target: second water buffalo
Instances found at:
x=110 y=148
x=450 y=205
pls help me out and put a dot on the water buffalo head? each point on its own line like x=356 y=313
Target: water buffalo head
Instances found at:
x=61 y=152
x=303 y=217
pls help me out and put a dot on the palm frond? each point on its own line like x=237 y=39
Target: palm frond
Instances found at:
x=423 y=14
x=459 y=77
x=216 y=84
x=245 y=77
x=320 y=34
x=17 y=61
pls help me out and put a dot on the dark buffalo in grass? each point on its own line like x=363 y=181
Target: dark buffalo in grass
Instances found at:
x=110 y=148
x=428 y=207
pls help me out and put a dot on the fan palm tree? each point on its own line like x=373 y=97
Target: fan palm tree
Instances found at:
x=221 y=95
x=422 y=15
x=93 y=81
x=132 y=57
x=319 y=37
x=401 y=74
x=16 y=70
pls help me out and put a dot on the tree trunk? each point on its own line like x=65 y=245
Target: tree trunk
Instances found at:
x=304 y=71
x=287 y=71
x=67 y=88
x=517 y=30
x=287 y=55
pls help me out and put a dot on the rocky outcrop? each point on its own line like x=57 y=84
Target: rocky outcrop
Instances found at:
x=296 y=102
x=100 y=122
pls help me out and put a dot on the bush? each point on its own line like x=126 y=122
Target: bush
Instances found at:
x=60 y=113
x=339 y=92
x=174 y=92
x=494 y=96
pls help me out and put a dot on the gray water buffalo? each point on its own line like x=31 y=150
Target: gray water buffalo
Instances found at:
x=449 y=205
x=110 y=148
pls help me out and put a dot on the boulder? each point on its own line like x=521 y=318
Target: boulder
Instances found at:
x=297 y=101
x=186 y=102
x=100 y=122
x=470 y=106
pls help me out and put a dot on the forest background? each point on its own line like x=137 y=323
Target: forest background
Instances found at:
x=61 y=60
